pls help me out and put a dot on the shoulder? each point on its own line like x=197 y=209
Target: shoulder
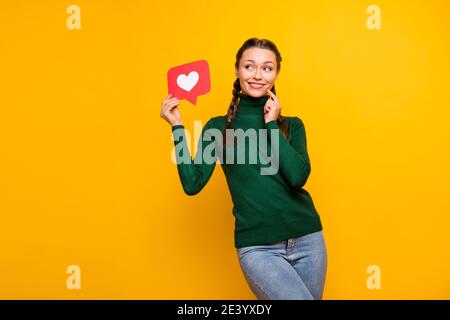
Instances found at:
x=293 y=122
x=217 y=122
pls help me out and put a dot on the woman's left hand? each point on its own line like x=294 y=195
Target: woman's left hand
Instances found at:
x=272 y=108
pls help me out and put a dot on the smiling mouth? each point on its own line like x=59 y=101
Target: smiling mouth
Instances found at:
x=256 y=85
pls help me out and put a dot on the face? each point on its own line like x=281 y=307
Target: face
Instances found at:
x=257 y=71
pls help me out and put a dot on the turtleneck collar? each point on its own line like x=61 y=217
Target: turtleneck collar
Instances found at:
x=251 y=105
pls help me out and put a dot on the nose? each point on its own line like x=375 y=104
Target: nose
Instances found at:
x=258 y=74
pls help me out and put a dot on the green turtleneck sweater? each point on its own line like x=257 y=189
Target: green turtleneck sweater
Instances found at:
x=267 y=207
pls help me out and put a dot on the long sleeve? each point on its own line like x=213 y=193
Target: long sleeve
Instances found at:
x=194 y=174
x=293 y=158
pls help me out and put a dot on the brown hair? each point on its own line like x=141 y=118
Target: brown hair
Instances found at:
x=231 y=113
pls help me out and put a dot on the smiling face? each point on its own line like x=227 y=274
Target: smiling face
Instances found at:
x=257 y=71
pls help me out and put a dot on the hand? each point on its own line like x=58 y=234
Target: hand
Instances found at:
x=170 y=111
x=272 y=108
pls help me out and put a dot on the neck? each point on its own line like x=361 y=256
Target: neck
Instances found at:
x=249 y=105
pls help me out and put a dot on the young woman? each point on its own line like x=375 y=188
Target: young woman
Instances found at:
x=278 y=232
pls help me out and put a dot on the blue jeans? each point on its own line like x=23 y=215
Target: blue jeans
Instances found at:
x=292 y=269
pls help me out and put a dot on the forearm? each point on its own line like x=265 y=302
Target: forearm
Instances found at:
x=293 y=164
x=193 y=176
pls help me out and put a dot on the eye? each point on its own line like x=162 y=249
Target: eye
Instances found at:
x=248 y=65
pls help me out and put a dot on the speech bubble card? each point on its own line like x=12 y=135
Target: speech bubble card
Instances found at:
x=190 y=80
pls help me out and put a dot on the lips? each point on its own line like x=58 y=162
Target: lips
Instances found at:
x=256 y=85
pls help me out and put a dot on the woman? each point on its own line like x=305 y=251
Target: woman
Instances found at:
x=278 y=232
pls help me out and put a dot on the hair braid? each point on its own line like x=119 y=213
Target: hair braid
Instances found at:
x=231 y=113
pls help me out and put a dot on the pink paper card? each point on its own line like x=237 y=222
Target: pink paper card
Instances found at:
x=190 y=80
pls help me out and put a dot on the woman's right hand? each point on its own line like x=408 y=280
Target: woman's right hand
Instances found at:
x=170 y=111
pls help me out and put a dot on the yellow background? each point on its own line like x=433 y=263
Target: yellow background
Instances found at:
x=85 y=172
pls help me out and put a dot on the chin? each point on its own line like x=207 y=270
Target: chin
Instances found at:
x=256 y=93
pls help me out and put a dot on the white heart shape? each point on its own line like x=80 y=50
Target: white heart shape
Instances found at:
x=187 y=82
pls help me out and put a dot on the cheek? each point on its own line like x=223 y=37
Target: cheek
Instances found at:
x=246 y=74
x=270 y=78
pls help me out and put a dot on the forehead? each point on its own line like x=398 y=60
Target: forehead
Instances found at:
x=258 y=55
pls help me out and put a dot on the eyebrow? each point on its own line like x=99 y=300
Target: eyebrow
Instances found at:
x=263 y=62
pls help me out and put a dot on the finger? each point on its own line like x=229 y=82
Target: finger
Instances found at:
x=172 y=107
x=274 y=97
x=172 y=99
x=164 y=108
x=270 y=103
x=164 y=103
x=168 y=104
x=167 y=98
x=172 y=104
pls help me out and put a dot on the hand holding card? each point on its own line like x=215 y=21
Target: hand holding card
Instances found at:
x=170 y=111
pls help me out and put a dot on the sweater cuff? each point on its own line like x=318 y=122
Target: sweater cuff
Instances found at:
x=176 y=126
x=272 y=124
